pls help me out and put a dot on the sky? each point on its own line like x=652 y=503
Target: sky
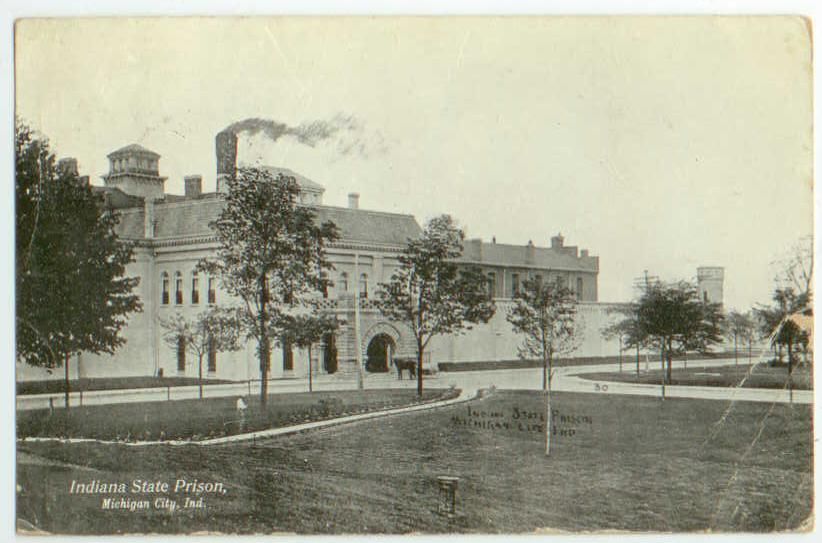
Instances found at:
x=659 y=144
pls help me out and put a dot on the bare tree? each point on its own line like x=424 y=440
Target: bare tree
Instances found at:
x=544 y=314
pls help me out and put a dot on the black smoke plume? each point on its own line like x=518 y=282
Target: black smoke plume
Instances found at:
x=346 y=132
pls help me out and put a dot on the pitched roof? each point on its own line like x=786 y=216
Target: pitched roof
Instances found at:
x=192 y=218
x=302 y=180
x=133 y=148
x=367 y=226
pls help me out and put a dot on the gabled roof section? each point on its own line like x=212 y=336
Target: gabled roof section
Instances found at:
x=115 y=198
x=302 y=180
x=364 y=226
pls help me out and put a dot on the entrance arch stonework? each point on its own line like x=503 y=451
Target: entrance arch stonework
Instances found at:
x=380 y=328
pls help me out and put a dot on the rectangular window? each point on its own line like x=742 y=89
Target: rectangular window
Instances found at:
x=579 y=288
x=181 y=354
x=492 y=285
x=514 y=284
x=212 y=292
x=212 y=356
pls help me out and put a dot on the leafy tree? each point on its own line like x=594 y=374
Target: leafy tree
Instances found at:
x=214 y=330
x=306 y=330
x=271 y=255
x=739 y=327
x=627 y=329
x=430 y=292
x=71 y=291
x=545 y=314
x=775 y=324
x=673 y=318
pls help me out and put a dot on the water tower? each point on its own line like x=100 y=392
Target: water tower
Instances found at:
x=709 y=281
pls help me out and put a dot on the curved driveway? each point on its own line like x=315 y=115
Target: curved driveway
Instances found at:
x=566 y=379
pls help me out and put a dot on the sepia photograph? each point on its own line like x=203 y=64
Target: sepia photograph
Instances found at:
x=344 y=275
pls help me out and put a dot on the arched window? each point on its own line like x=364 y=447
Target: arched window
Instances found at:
x=166 y=288
x=363 y=285
x=343 y=282
x=195 y=287
x=492 y=284
x=178 y=288
x=212 y=290
x=181 y=353
x=324 y=283
x=579 y=288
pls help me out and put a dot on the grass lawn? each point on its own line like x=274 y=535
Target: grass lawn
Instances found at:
x=618 y=463
x=212 y=417
x=109 y=383
x=761 y=376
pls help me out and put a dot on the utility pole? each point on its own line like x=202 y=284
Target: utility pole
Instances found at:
x=620 y=353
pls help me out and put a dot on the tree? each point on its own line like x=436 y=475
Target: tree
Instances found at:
x=430 y=292
x=213 y=331
x=673 y=318
x=792 y=295
x=271 y=255
x=545 y=314
x=739 y=326
x=776 y=325
x=305 y=330
x=71 y=291
x=627 y=329
x=795 y=272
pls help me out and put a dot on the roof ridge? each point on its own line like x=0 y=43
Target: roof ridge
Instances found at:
x=370 y=211
x=133 y=147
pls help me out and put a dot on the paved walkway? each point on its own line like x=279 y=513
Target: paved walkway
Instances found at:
x=288 y=430
x=566 y=379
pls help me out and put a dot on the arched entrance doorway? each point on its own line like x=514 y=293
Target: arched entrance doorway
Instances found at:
x=380 y=353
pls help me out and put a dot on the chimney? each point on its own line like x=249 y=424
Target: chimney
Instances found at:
x=557 y=241
x=584 y=253
x=149 y=220
x=226 y=149
x=472 y=249
x=194 y=186
x=530 y=252
x=67 y=166
x=353 y=200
